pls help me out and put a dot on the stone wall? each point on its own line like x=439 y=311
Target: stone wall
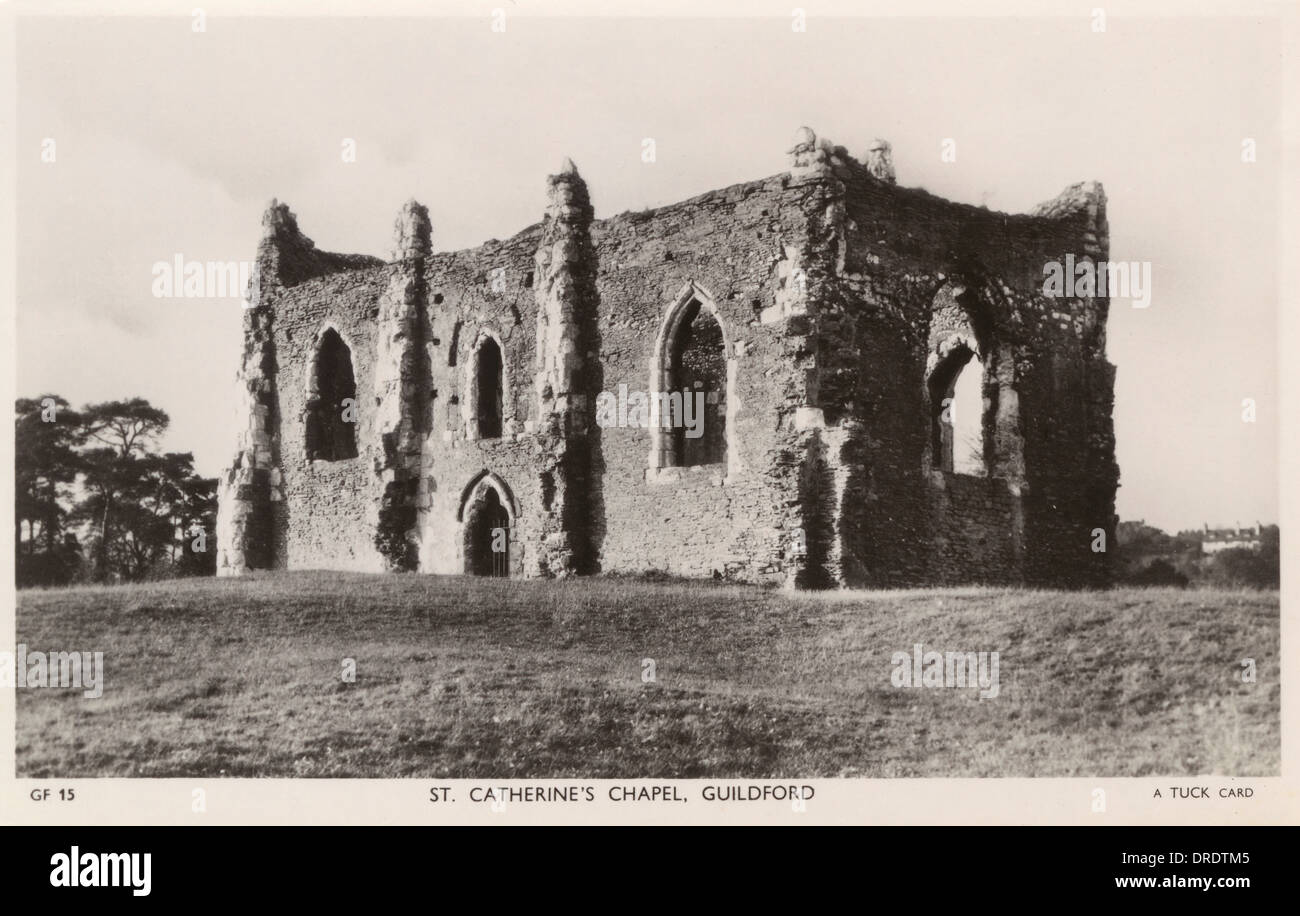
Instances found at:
x=327 y=503
x=838 y=294
x=740 y=519
x=474 y=296
x=920 y=273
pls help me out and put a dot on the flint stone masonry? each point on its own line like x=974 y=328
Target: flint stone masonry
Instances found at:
x=844 y=301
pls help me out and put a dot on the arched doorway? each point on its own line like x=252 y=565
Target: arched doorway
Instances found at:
x=487 y=534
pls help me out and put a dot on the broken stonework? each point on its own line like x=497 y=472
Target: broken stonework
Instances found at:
x=413 y=233
x=832 y=311
x=880 y=160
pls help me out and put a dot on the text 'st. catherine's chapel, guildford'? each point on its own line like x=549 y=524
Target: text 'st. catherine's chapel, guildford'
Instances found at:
x=751 y=384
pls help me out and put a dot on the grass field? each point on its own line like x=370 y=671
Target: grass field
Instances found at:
x=459 y=677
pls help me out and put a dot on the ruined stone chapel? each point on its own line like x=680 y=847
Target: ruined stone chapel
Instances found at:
x=756 y=384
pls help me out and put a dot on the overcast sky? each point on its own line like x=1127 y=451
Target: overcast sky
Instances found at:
x=169 y=141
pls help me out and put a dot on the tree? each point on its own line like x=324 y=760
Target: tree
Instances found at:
x=47 y=434
x=1159 y=572
x=143 y=511
x=148 y=496
x=1139 y=538
x=197 y=512
x=1240 y=566
x=157 y=506
x=126 y=430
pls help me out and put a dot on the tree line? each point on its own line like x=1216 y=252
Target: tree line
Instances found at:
x=96 y=501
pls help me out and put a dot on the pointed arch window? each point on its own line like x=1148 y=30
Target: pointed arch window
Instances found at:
x=331 y=408
x=689 y=387
x=957 y=413
x=487 y=404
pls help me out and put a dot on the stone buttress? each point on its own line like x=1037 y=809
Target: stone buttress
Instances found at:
x=401 y=388
x=249 y=488
x=567 y=379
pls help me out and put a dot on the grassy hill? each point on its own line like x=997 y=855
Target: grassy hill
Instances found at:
x=459 y=677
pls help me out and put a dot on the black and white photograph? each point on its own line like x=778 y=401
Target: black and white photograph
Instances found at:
x=669 y=407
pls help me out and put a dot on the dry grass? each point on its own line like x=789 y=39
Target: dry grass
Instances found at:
x=462 y=677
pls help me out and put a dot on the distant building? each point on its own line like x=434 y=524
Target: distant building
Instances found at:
x=1215 y=539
